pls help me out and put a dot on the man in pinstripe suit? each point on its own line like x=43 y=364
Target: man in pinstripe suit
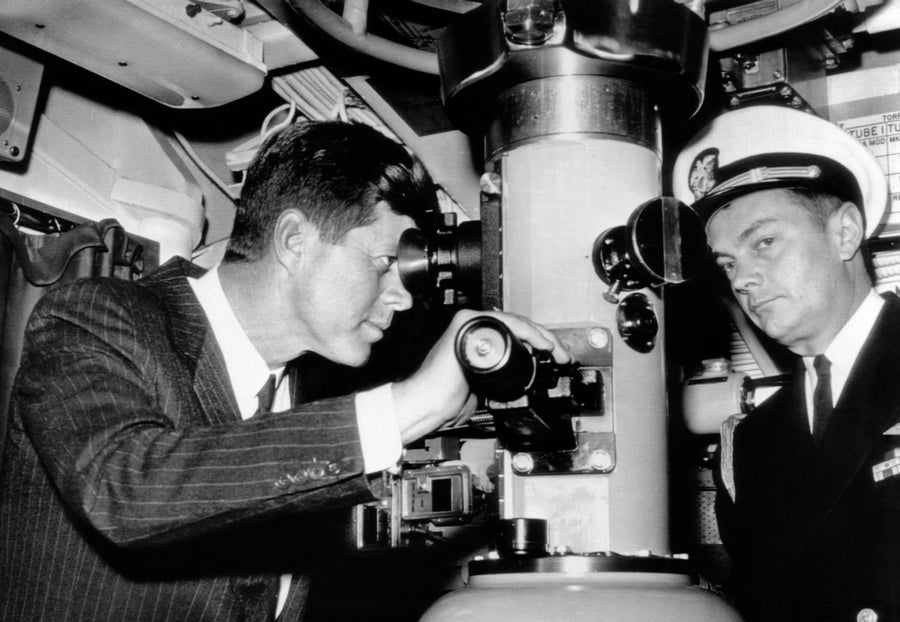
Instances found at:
x=138 y=482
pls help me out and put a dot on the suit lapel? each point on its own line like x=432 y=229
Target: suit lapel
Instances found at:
x=193 y=339
x=866 y=408
x=212 y=385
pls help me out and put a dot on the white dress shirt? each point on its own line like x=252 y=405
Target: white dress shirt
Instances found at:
x=844 y=350
x=247 y=370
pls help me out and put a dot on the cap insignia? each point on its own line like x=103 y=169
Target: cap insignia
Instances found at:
x=702 y=176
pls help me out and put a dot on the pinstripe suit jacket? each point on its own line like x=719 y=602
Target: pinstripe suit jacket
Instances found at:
x=130 y=487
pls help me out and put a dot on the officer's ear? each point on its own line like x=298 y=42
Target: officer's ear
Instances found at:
x=291 y=237
x=849 y=229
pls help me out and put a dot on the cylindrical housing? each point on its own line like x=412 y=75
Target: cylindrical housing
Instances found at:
x=560 y=191
x=581 y=596
x=573 y=132
x=612 y=108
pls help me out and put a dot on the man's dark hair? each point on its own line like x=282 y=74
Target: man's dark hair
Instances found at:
x=333 y=172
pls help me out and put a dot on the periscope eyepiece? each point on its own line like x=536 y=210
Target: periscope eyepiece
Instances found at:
x=443 y=267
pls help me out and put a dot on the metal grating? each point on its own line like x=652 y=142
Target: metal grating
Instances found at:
x=7 y=106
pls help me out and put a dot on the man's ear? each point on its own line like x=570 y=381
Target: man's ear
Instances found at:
x=850 y=229
x=292 y=232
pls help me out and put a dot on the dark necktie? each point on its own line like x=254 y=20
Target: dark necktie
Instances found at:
x=266 y=395
x=822 y=402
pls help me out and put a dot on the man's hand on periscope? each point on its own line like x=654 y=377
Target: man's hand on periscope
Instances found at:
x=437 y=393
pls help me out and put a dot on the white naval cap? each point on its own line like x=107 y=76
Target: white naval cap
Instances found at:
x=770 y=146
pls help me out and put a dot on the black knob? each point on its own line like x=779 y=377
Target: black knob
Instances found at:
x=496 y=364
x=522 y=537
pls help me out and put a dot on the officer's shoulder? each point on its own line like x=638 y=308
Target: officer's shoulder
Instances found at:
x=767 y=413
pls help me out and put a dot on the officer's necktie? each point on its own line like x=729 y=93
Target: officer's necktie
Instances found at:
x=266 y=395
x=822 y=402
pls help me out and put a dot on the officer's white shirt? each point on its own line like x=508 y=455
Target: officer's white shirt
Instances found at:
x=844 y=350
x=247 y=371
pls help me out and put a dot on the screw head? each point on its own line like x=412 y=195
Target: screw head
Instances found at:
x=601 y=460
x=522 y=463
x=490 y=183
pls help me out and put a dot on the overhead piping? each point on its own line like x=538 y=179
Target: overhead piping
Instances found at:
x=354 y=36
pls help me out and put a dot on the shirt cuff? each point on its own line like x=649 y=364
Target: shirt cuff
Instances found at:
x=379 y=433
